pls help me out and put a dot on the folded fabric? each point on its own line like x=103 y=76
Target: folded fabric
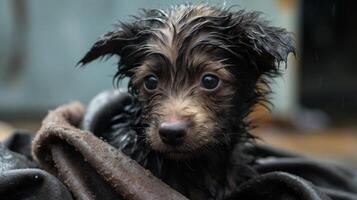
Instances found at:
x=77 y=164
x=90 y=167
x=19 y=178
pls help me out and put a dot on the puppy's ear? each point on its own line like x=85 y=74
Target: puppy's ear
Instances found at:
x=112 y=43
x=268 y=46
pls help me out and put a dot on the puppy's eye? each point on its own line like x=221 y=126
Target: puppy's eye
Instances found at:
x=150 y=82
x=209 y=81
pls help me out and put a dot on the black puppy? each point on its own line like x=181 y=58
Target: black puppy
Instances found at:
x=196 y=71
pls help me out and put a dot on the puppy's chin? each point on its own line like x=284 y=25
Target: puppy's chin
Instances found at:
x=174 y=153
x=179 y=154
x=189 y=149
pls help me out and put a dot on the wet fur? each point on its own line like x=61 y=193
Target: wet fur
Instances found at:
x=179 y=45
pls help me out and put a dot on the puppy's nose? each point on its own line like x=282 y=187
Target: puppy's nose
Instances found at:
x=173 y=133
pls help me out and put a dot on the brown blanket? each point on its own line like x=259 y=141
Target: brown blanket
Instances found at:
x=90 y=167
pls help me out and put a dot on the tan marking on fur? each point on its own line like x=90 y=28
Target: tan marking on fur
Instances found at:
x=182 y=108
x=219 y=69
x=170 y=47
x=142 y=71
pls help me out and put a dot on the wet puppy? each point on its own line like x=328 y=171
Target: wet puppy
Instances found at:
x=196 y=71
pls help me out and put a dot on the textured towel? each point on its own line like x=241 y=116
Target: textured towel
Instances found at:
x=91 y=168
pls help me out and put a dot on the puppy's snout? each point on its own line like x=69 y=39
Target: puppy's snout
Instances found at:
x=173 y=133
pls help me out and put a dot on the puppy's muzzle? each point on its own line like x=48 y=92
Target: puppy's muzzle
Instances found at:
x=173 y=133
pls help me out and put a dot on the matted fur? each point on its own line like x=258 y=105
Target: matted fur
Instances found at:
x=179 y=46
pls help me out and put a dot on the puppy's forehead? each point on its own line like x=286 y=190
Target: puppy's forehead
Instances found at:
x=182 y=37
x=198 y=65
x=181 y=45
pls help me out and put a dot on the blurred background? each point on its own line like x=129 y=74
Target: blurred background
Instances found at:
x=315 y=102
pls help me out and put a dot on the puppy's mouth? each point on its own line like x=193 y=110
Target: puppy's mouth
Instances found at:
x=176 y=141
x=177 y=154
x=182 y=152
x=176 y=150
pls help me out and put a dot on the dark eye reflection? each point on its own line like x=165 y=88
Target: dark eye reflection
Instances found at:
x=209 y=82
x=151 y=82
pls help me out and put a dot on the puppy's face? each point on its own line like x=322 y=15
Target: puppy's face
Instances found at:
x=195 y=70
x=184 y=104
